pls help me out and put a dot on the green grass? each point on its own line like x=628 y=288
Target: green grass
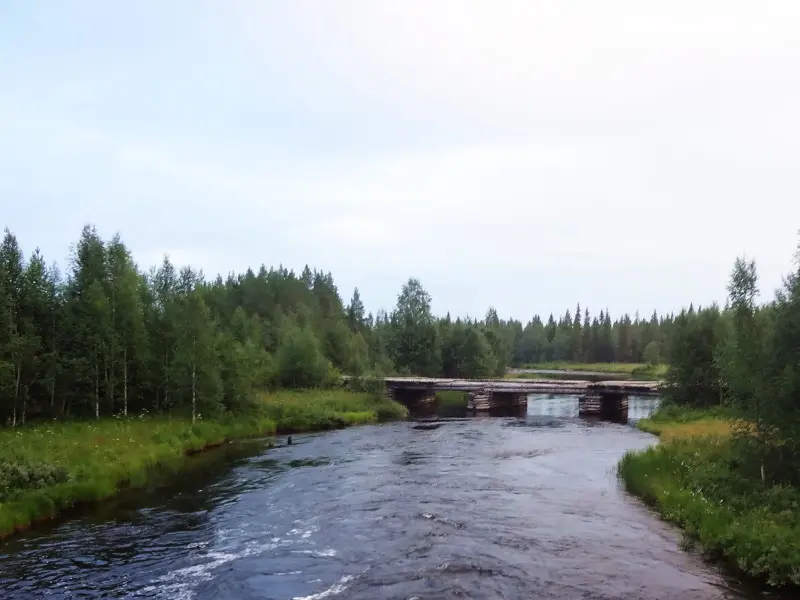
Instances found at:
x=626 y=368
x=693 y=479
x=451 y=403
x=526 y=376
x=635 y=370
x=674 y=422
x=48 y=468
x=320 y=410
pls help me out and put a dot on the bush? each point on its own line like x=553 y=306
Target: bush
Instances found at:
x=327 y=409
x=387 y=410
x=754 y=528
x=706 y=482
x=21 y=475
x=371 y=384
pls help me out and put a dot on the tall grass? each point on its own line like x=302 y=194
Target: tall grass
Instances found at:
x=524 y=375
x=88 y=461
x=597 y=367
x=673 y=422
x=451 y=403
x=636 y=370
x=319 y=410
x=47 y=468
x=692 y=479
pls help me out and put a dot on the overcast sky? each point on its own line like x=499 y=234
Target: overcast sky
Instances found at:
x=526 y=155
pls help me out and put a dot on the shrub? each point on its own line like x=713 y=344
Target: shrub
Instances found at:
x=21 y=475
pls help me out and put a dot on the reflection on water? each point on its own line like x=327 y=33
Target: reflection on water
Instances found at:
x=566 y=407
x=641 y=408
x=551 y=405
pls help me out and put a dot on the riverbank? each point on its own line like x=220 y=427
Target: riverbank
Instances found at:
x=451 y=403
x=48 y=468
x=630 y=370
x=693 y=479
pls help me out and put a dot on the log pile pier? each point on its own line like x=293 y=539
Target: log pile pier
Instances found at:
x=608 y=399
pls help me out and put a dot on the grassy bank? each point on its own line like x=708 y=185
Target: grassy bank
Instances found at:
x=523 y=375
x=451 y=403
x=634 y=370
x=693 y=478
x=321 y=410
x=45 y=469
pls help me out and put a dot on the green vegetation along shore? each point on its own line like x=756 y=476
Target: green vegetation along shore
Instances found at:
x=451 y=403
x=727 y=469
x=692 y=479
x=48 y=468
x=632 y=370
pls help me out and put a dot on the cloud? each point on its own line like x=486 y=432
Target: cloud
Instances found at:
x=519 y=154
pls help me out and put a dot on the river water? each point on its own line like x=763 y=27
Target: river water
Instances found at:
x=511 y=508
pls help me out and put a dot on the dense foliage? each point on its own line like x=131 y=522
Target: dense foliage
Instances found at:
x=728 y=467
x=695 y=479
x=728 y=514
x=107 y=338
x=746 y=358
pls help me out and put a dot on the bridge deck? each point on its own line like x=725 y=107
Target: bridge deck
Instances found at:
x=530 y=386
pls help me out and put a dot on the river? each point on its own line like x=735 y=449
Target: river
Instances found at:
x=513 y=508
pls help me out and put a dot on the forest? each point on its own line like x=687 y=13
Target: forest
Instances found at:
x=105 y=337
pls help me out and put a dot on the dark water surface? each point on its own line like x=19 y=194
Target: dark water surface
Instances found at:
x=481 y=508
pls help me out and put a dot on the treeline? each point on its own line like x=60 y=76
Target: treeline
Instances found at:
x=583 y=338
x=746 y=359
x=106 y=338
x=109 y=339
x=419 y=343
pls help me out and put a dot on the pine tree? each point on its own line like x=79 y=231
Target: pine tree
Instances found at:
x=576 y=345
x=33 y=324
x=355 y=312
x=15 y=346
x=588 y=339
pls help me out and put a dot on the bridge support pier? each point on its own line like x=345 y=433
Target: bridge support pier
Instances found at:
x=479 y=401
x=420 y=401
x=610 y=406
x=605 y=399
x=489 y=402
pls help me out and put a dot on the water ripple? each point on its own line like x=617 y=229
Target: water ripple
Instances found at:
x=488 y=508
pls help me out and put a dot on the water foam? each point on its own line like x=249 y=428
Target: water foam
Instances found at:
x=336 y=589
x=179 y=583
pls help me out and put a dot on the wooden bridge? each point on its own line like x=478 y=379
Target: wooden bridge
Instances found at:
x=603 y=398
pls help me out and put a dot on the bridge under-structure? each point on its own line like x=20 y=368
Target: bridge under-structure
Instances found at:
x=606 y=399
